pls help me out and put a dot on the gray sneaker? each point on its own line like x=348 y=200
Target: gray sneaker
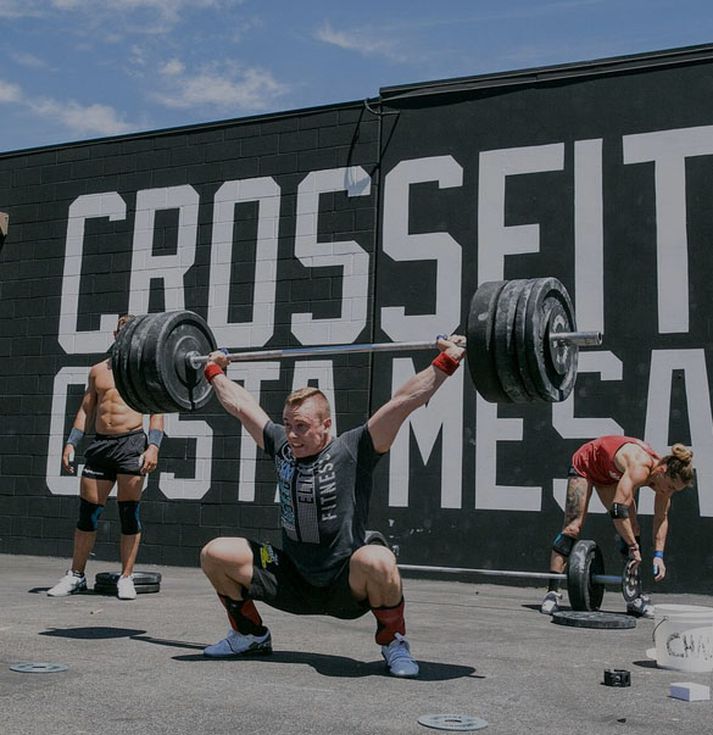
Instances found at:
x=399 y=659
x=551 y=603
x=69 y=584
x=238 y=644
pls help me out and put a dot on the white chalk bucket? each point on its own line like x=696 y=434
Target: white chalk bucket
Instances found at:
x=683 y=635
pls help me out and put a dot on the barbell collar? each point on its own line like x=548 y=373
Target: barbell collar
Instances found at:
x=196 y=361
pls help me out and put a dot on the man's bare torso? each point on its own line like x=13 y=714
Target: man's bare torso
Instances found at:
x=113 y=416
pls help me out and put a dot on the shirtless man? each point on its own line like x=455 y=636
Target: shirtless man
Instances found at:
x=121 y=454
x=616 y=467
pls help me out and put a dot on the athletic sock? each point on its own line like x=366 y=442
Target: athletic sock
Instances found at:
x=389 y=622
x=243 y=616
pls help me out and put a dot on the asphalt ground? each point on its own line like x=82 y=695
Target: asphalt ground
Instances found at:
x=485 y=652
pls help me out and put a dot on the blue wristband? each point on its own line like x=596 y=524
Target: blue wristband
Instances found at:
x=658 y=554
x=155 y=437
x=75 y=436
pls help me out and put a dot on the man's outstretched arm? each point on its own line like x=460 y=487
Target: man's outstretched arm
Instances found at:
x=235 y=399
x=416 y=391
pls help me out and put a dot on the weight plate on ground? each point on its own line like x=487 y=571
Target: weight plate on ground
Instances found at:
x=462 y=723
x=553 y=368
x=584 y=560
x=181 y=333
x=109 y=589
x=31 y=667
x=593 y=619
x=506 y=360
x=480 y=342
x=140 y=578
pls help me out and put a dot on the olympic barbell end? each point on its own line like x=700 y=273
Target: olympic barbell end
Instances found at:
x=582 y=339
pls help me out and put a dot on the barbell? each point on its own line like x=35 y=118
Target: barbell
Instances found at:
x=585 y=575
x=521 y=343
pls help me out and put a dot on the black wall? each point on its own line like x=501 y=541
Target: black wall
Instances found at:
x=603 y=180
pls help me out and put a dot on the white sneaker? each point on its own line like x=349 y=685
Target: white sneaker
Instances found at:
x=641 y=607
x=239 y=644
x=125 y=589
x=551 y=603
x=69 y=584
x=399 y=659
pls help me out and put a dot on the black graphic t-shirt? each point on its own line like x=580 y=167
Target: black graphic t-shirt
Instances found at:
x=324 y=500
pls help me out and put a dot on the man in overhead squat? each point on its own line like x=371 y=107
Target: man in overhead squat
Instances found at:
x=120 y=454
x=616 y=467
x=324 y=566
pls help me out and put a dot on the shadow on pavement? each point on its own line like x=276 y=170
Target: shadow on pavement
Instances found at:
x=93 y=633
x=325 y=664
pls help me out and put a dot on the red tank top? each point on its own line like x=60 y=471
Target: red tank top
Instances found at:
x=595 y=459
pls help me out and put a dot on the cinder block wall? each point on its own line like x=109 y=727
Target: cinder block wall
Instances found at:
x=346 y=224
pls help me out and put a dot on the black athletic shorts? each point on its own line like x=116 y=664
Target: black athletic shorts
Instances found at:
x=277 y=582
x=108 y=456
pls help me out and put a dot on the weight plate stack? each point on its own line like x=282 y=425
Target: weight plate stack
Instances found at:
x=506 y=357
x=480 y=342
x=552 y=366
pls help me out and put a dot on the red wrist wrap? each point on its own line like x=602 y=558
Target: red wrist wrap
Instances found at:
x=211 y=370
x=446 y=363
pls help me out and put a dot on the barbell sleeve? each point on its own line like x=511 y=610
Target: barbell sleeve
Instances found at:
x=196 y=361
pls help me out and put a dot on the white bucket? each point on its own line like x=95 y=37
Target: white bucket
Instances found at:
x=684 y=637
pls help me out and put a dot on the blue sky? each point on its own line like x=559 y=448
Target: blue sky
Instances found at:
x=81 y=69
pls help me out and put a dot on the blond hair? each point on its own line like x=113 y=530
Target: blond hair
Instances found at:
x=679 y=464
x=123 y=320
x=299 y=396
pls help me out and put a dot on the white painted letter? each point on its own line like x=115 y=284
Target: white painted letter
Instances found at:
x=440 y=247
x=170 y=269
x=442 y=417
x=85 y=207
x=495 y=239
x=348 y=254
x=257 y=332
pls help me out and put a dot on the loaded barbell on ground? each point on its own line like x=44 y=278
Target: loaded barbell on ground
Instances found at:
x=521 y=343
x=585 y=575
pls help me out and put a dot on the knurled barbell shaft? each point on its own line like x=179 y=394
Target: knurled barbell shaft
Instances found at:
x=196 y=361
x=596 y=578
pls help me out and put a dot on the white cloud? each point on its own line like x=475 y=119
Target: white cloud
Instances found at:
x=18 y=9
x=29 y=60
x=172 y=68
x=9 y=92
x=364 y=41
x=250 y=89
x=92 y=119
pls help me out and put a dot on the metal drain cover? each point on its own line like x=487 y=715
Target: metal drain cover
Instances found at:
x=462 y=723
x=33 y=667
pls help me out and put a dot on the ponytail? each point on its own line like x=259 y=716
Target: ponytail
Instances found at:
x=679 y=464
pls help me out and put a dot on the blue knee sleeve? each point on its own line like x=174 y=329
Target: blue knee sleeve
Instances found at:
x=129 y=517
x=88 y=515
